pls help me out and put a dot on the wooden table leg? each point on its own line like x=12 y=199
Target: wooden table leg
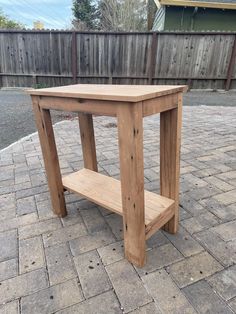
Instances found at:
x=170 y=136
x=130 y=131
x=88 y=141
x=51 y=162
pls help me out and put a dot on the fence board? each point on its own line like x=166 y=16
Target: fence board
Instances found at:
x=44 y=58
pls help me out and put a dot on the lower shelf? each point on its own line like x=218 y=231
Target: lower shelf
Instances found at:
x=106 y=192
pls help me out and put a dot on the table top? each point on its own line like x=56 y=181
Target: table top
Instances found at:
x=130 y=93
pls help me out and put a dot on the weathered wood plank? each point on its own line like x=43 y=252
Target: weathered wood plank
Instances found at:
x=120 y=58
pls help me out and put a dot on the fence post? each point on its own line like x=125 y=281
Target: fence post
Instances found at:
x=231 y=66
x=109 y=60
x=189 y=83
x=152 y=62
x=34 y=80
x=74 y=57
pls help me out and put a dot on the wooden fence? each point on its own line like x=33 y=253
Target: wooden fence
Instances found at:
x=50 y=58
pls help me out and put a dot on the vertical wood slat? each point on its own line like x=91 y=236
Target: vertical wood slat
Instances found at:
x=51 y=162
x=153 y=53
x=130 y=133
x=170 y=137
x=201 y=57
x=74 y=57
x=88 y=141
x=231 y=66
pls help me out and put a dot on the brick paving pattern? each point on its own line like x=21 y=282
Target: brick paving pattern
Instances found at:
x=76 y=264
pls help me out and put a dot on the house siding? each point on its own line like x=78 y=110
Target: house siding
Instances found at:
x=204 y=19
x=185 y=18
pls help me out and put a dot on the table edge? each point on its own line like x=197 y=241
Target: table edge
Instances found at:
x=178 y=88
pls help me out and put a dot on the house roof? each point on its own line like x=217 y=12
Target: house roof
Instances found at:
x=217 y=4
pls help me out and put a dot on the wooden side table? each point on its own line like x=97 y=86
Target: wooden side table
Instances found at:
x=143 y=212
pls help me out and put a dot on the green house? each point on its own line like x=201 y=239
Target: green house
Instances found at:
x=195 y=15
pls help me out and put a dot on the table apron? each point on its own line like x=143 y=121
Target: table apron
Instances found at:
x=105 y=107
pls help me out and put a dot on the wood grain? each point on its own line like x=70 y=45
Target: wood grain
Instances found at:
x=133 y=93
x=106 y=191
x=98 y=107
x=46 y=58
x=160 y=104
x=88 y=141
x=130 y=135
x=51 y=162
x=170 y=137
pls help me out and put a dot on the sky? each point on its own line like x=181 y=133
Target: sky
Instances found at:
x=54 y=14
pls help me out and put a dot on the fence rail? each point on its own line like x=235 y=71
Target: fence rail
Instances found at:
x=50 y=58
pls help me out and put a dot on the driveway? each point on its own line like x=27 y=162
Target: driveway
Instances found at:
x=16 y=117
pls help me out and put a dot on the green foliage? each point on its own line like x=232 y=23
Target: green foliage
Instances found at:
x=6 y=23
x=85 y=15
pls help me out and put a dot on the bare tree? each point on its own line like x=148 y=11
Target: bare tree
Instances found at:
x=126 y=15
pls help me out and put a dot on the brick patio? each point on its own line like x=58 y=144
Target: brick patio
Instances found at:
x=76 y=264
